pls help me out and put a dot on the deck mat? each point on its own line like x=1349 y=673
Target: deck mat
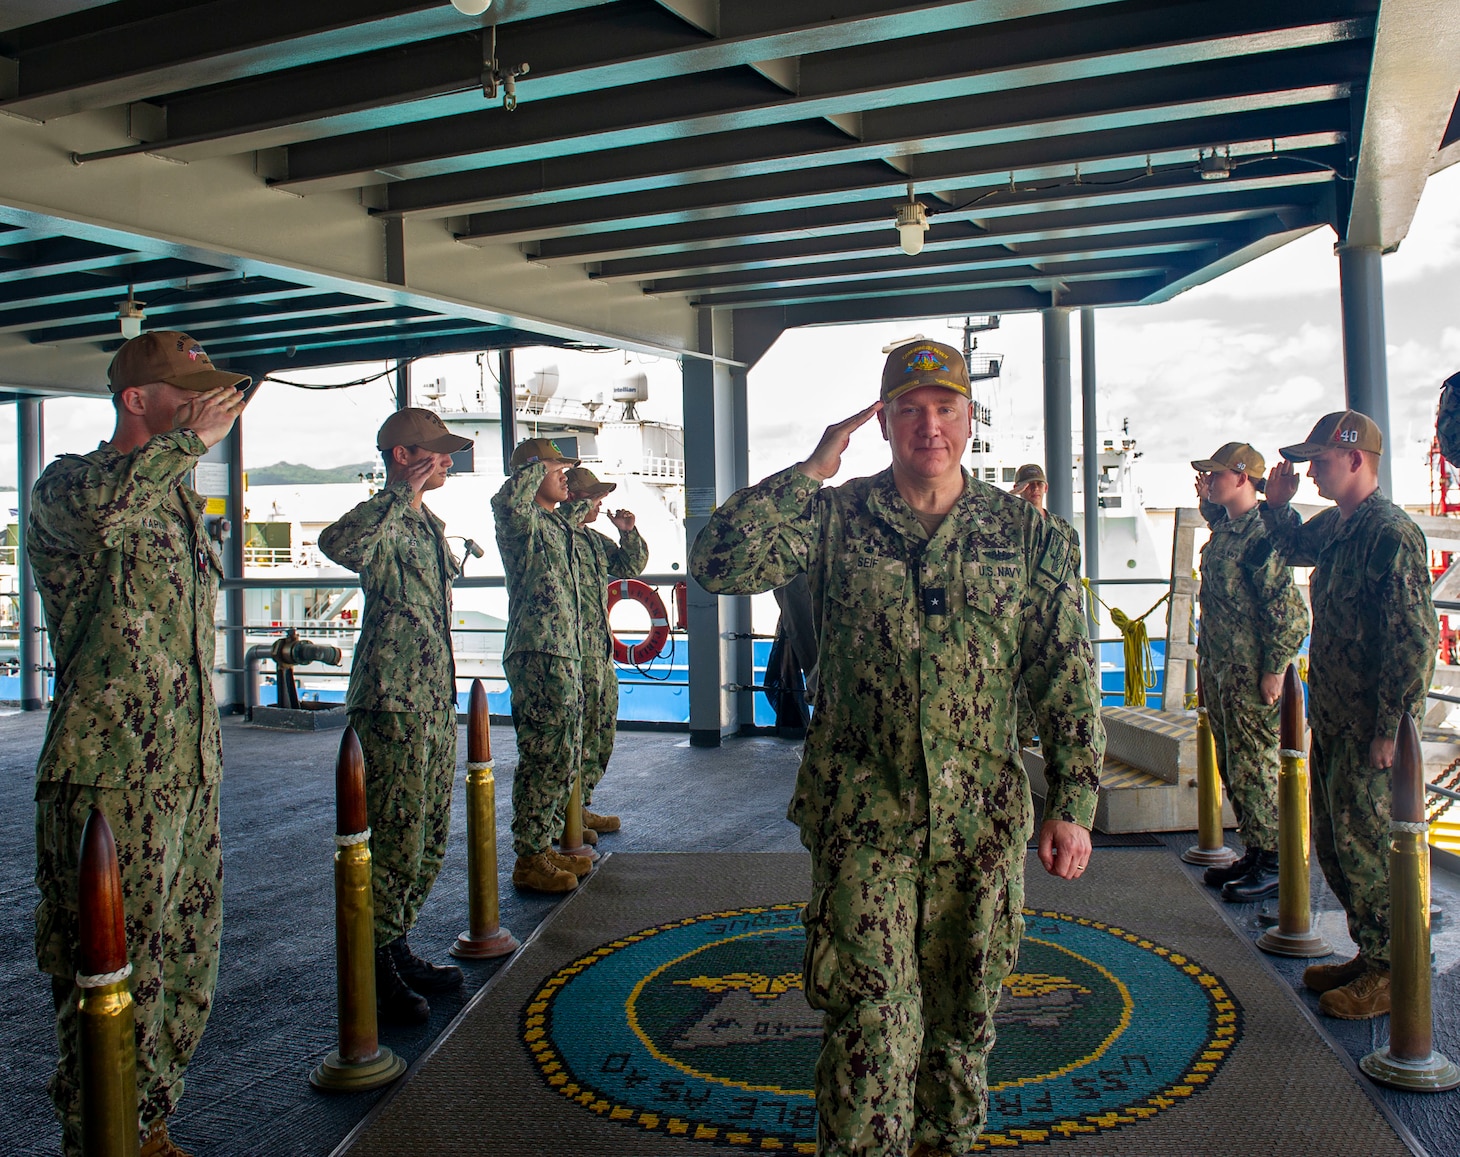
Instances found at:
x=660 y=1011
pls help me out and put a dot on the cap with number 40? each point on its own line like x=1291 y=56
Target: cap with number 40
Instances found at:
x=1346 y=430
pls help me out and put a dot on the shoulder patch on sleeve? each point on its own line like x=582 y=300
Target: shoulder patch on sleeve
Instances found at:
x=1258 y=552
x=1054 y=562
x=1386 y=546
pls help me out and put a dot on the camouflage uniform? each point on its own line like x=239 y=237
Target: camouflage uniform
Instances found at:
x=129 y=580
x=1370 y=661
x=542 y=657
x=1252 y=623
x=596 y=558
x=402 y=698
x=1025 y=711
x=1447 y=419
x=911 y=796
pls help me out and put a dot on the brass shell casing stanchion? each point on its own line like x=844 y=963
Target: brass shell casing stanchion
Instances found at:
x=1209 y=848
x=485 y=937
x=361 y=1062
x=107 y=1026
x=572 y=842
x=1294 y=934
x=1409 y=1060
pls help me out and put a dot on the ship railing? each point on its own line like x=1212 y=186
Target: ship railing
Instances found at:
x=8 y=555
x=660 y=469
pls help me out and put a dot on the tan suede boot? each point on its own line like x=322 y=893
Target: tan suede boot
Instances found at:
x=538 y=873
x=597 y=823
x=1327 y=977
x=1361 y=999
x=156 y=1142
x=580 y=866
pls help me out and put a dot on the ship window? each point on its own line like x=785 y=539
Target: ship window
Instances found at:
x=1009 y=473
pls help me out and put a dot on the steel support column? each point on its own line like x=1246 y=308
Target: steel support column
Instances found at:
x=1090 y=437
x=507 y=402
x=1365 y=369
x=30 y=432
x=1058 y=453
x=235 y=645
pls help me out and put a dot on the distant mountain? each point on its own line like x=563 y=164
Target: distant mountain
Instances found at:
x=289 y=474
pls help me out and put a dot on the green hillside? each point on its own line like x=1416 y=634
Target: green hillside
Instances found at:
x=290 y=474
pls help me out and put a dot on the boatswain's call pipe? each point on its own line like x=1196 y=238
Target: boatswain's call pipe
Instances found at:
x=484 y=937
x=572 y=842
x=1409 y=1060
x=107 y=1020
x=1209 y=848
x=361 y=1062
x=1294 y=934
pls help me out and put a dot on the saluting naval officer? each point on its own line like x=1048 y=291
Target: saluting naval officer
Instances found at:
x=543 y=659
x=934 y=595
x=129 y=580
x=1252 y=623
x=1371 y=658
x=597 y=558
x=402 y=697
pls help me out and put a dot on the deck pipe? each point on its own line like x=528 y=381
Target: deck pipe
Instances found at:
x=485 y=937
x=1209 y=847
x=1294 y=934
x=1409 y=1060
x=107 y=1026
x=572 y=842
x=361 y=1061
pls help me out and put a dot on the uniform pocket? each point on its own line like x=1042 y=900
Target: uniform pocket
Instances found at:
x=995 y=602
x=819 y=961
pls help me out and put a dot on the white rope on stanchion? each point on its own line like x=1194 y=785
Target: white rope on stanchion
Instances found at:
x=1291 y=754
x=1419 y=829
x=353 y=838
x=102 y=979
x=473 y=766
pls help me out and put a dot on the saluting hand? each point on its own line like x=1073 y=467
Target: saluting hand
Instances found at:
x=211 y=415
x=1282 y=484
x=417 y=474
x=826 y=459
x=622 y=519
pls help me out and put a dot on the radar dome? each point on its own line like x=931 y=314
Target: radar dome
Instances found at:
x=631 y=388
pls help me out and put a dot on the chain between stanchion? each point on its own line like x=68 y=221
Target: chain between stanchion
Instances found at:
x=102 y=979
x=352 y=839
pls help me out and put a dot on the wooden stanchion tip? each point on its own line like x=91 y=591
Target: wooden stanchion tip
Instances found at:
x=1409 y=768
x=1291 y=717
x=103 y=934
x=350 y=814
x=478 y=724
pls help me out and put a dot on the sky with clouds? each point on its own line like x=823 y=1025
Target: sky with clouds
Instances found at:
x=1254 y=356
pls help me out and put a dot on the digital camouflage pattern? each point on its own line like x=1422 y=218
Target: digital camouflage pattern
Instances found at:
x=1371 y=658
x=410 y=769
x=547 y=714
x=600 y=721
x=1447 y=419
x=1351 y=810
x=1252 y=624
x=171 y=864
x=905 y=960
x=129 y=581
x=536 y=546
x=403 y=659
x=1057 y=524
x=911 y=795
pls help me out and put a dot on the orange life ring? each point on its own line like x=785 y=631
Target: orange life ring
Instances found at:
x=645 y=595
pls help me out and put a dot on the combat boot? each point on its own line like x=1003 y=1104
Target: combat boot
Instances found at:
x=156 y=1143
x=537 y=873
x=396 y=1002
x=1258 y=883
x=597 y=823
x=580 y=866
x=1327 y=977
x=1361 y=999
x=421 y=975
x=1219 y=874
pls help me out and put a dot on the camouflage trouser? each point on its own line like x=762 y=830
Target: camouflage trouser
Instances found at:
x=1351 y=835
x=1245 y=732
x=547 y=714
x=172 y=886
x=1024 y=715
x=410 y=768
x=600 y=721
x=906 y=959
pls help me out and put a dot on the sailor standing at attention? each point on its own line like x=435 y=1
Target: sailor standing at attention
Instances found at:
x=402 y=697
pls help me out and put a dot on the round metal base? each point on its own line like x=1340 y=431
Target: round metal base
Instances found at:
x=1434 y=1074
x=581 y=850
x=1301 y=944
x=336 y=1075
x=499 y=943
x=1209 y=857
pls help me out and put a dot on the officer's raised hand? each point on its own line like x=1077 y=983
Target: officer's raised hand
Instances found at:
x=826 y=459
x=623 y=520
x=1282 y=484
x=210 y=415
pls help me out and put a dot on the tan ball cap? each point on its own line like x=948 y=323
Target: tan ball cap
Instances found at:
x=416 y=427
x=1238 y=456
x=924 y=363
x=583 y=483
x=1346 y=430
x=1030 y=472
x=538 y=450
x=165 y=355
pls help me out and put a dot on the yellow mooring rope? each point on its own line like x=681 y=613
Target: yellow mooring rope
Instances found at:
x=1140 y=664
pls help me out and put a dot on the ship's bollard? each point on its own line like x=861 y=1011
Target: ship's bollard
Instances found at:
x=107 y=1027
x=484 y=937
x=1209 y=848
x=361 y=1062
x=572 y=842
x=1409 y=1060
x=1294 y=934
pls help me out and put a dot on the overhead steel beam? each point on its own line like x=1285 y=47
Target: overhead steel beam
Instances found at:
x=93 y=308
x=400 y=334
x=361 y=315
x=79 y=286
x=198 y=322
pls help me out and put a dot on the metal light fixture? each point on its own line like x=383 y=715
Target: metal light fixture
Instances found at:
x=471 y=7
x=912 y=223
x=1214 y=166
x=130 y=315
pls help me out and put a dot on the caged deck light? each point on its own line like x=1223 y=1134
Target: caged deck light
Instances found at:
x=471 y=7
x=130 y=315
x=912 y=224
